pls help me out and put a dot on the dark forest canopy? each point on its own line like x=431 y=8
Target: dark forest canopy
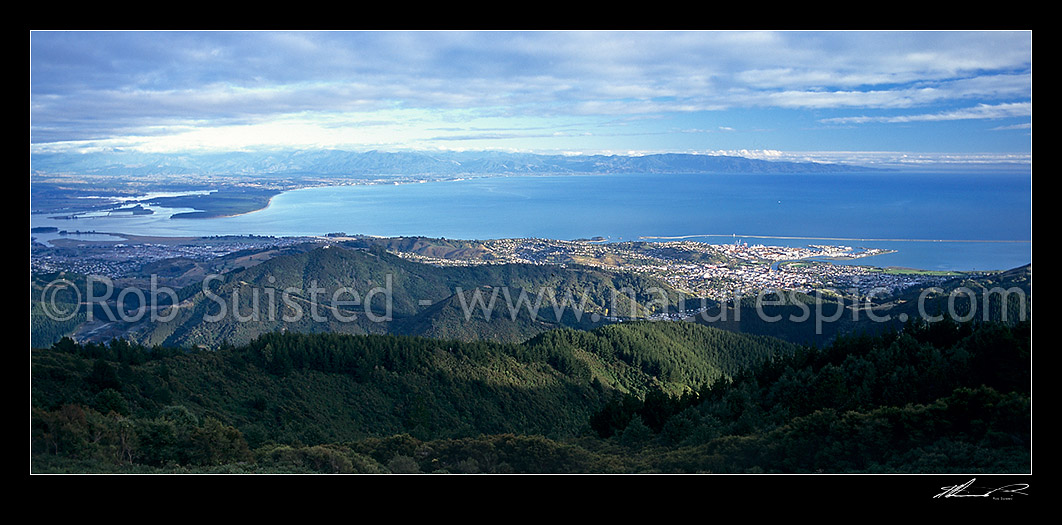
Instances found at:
x=640 y=397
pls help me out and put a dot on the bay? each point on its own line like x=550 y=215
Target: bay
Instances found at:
x=934 y=220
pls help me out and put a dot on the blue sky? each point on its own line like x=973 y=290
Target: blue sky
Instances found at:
x=827 y=95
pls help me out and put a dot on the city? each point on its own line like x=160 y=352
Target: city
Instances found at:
x=713 y=271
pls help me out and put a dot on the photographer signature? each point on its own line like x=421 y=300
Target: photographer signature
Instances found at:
x=960 y=491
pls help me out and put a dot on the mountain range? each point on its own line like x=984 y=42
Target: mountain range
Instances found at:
x=332 y=162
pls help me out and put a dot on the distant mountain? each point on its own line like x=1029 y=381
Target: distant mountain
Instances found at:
x=380 y=163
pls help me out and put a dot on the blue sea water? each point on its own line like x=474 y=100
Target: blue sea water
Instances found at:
x=921 y=215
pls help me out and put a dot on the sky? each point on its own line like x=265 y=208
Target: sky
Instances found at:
x=831 y=95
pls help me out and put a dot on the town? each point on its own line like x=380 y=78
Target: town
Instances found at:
x=126 y=255
x=713 y=271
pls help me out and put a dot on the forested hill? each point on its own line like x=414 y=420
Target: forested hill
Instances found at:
x=639 y=397
x=324 y=388
x=358 y=291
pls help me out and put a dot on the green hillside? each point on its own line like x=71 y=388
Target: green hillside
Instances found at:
x=290 y=388
x=355 y=291
x=631 y=397
x=481 y=369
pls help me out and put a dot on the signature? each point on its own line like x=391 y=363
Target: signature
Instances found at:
x=961 y=491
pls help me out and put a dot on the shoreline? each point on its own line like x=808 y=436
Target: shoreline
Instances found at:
x=118 y=238
x=257 y=199
x=845 y=239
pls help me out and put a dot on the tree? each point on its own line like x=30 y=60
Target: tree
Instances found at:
x=111 y=400
x=103 y=376
x=636 y=434
x=403 y=465
x=215 y=443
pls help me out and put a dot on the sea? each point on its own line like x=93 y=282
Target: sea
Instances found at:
x=935 y=220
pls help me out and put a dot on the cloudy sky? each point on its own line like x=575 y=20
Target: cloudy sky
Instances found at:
x=831 y=93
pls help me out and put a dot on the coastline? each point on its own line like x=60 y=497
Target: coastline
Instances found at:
x=803 y=238
x=273 y=193
x=950 y=250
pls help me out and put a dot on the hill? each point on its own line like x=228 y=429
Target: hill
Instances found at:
x=932 y=398
x=359 y=291
x=321 y=388
x=358 y=287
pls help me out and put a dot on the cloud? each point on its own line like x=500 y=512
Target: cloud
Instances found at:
x=135 y=86
x=1022 y=126
x=981 y=111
